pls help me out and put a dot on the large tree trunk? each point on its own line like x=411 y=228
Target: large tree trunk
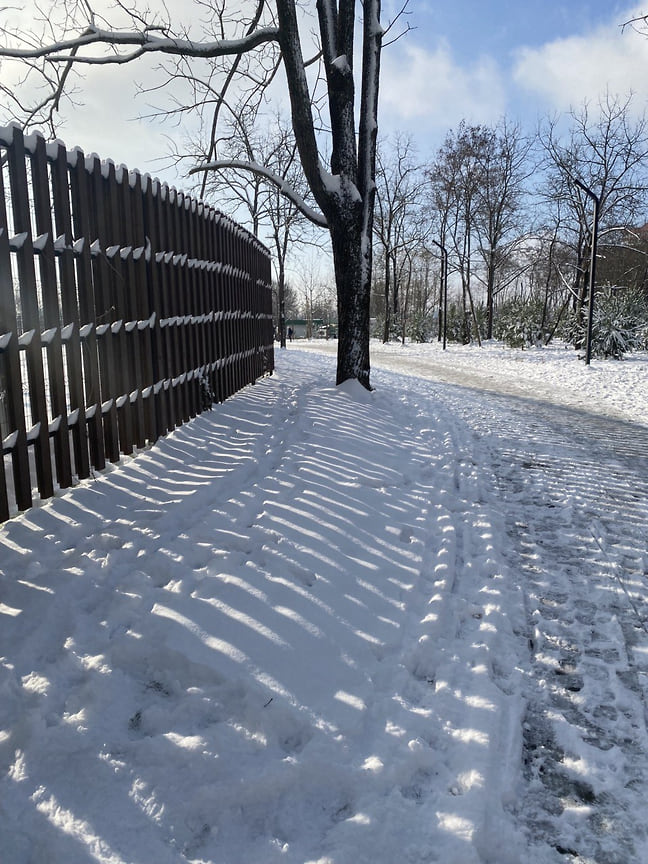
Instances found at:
x=346 y=194
x=352 y=263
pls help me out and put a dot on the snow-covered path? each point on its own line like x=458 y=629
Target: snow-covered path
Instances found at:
x=574 y=490
x=322 y=625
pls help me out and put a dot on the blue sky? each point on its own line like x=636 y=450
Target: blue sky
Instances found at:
x=478 y=61
x=496 y=28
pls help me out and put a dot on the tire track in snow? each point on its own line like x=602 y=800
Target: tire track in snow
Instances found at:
x=463 y=655
x=577 y=518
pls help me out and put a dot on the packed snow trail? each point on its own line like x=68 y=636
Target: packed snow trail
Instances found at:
x=576 y=490
x=319 y=625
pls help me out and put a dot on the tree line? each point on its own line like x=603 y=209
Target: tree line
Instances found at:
x=509 y=209
x=511 y=212
x=506 y=207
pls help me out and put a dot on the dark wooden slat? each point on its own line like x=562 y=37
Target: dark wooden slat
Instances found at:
x=142 y=307
x=105 y=310
x=212 y=347
x=182 y=301
x=177 y=307
x=131 y=359
x=192 y=275
x=69 y=308
x=154 y=274
x=31 y=312
x=80 y=197
x=14 y=405
x=111 y=235
x=4 y=497
x=52 y=316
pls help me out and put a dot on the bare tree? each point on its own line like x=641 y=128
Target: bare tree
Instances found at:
x=624 y=258
x=312 y=283
x=639 y=24
x=502 y=155
x=398 y=226
x=342 y=186
x=606 y=149
x=285 y=220
x=271 y=144
x=478 y=182
x=454 y=178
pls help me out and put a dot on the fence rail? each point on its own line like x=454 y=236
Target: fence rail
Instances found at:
x=126 y=307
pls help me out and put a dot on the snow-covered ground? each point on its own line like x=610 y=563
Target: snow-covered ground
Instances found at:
x=555 y=373
x=318 y=624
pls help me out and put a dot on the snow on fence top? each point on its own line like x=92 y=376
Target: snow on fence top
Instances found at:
x=126 y=307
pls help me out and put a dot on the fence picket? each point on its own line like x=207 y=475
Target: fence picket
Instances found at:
x=30 y=340
x=142 y=310
x=14 y=437
x=82 y=233
x=156 y=293
x=51 y=314
x=70 y=310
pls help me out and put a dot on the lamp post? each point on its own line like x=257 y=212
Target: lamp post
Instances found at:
x=444 y=286
x=592 y=270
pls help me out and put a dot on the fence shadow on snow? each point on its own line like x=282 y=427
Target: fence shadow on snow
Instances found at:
x=126 y=308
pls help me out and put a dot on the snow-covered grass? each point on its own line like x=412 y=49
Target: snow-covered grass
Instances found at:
x=318 y=624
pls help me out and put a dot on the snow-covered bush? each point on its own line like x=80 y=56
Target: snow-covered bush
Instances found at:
x=642 y=338
x=518 y=324
x=573 y=331
x=378 y=328
x=620 y=315
x=461 y=327
x=422 y=328
x=619 y=325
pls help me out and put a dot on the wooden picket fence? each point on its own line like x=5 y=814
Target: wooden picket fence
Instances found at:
x=126 y=308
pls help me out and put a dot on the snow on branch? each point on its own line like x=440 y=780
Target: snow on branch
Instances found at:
x=260 y=170
x=146 y=41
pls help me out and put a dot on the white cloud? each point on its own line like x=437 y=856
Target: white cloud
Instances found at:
x=429 y=90
x=105 y=116
x=564 y=73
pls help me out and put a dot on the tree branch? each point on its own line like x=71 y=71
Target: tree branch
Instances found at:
x=221 y=96
x=147 y=41
x=260 y=170
x=300 y=102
